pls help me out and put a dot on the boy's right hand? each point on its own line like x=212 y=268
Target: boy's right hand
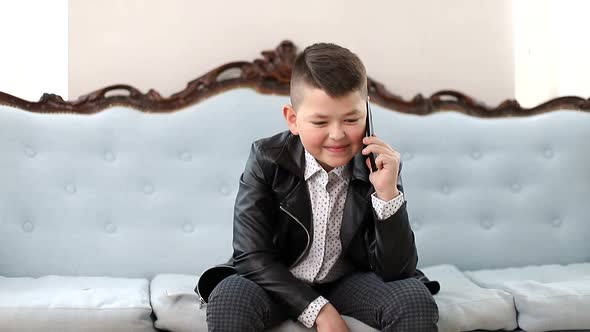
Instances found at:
x=329 y=320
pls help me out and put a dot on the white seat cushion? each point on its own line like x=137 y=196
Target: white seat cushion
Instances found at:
x=549 y=297
x=540 y=273
x=175 y=303
x=54 y=303
x=177 y=309
x=465 y=306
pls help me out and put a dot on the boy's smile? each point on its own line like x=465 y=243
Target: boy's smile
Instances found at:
x=330 y=128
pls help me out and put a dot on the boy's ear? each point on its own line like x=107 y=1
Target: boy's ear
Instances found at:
x=291 y=118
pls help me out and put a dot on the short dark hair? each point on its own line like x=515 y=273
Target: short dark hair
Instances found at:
x=329 y=67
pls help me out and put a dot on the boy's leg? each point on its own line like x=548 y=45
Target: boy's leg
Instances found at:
x=239 y=304
x=402 y=305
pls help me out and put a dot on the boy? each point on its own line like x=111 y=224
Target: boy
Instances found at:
x=316 y=234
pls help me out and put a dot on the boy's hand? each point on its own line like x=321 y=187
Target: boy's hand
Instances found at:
x=329 y=320
x=387 y=160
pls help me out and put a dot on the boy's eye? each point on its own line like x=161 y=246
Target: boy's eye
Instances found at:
x=320 y=123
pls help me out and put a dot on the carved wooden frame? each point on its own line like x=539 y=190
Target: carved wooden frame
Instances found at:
x=271 y=75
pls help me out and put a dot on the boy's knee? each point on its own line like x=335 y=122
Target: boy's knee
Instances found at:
x=236 y=301
x=236 y=290
x=414 y=309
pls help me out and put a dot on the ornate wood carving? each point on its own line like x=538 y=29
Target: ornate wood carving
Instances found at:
x=271 y=75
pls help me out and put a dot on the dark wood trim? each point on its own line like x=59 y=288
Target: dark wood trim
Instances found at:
x=271 y=75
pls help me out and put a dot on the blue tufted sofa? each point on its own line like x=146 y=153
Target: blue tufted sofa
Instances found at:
x=109 y=214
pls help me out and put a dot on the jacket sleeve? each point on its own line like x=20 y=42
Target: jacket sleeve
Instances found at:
x=392 y=249
x=255 y=256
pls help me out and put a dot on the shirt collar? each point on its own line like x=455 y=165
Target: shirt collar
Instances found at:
x=312 y=167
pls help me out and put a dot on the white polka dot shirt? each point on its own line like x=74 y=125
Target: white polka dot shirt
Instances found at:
x=327 y=192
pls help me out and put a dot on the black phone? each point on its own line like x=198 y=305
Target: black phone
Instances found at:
x=370 y=131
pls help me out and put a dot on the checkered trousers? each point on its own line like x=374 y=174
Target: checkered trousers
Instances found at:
x=238 y=304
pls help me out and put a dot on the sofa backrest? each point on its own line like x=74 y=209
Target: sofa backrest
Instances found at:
x=96 y=187
x=492 y=193
x=127 y=193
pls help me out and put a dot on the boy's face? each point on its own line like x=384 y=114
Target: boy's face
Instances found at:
x=331 y=129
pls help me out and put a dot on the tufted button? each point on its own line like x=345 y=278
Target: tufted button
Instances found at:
x=548 y=153
x=515 y=187
x=556 y=222
x=185 y=156
x=486 y=223
x=28 y=227
x=416 y=224
x=476 y=154
x=30 y=152
x=148 y=189
x=407 y=156
x=188 y=228
x=70 y=188
x=109 y=156
x=109 y=227
x=225 y=190
x=446 y=189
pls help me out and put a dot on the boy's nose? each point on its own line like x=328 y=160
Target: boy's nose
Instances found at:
x=336 y=133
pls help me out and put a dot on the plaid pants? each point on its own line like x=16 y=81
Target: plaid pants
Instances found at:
x=238 y=304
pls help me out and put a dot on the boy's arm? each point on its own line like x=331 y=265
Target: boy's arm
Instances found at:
x=255 y=256
x=392 y=253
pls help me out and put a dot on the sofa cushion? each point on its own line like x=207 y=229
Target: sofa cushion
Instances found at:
x=540 y=273
x=549 y=297
x=465 y=306
x=54 y=303
x=176 y=305
x=177 y=308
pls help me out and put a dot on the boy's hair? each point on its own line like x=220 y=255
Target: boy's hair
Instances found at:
x=329 y=67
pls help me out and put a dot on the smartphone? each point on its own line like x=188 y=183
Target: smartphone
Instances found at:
x=369 y=131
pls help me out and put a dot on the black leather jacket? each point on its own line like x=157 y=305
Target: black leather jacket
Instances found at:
x=273 y=226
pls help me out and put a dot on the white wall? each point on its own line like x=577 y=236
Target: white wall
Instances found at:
x=535 y=57
x=34 y=51
x=573 y=49
x=412 y=47
x=531 y=50
x=551 y=51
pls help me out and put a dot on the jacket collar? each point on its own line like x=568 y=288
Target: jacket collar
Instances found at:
x=292 y=156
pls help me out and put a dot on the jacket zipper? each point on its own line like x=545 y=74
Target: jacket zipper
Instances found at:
x=306 y=232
